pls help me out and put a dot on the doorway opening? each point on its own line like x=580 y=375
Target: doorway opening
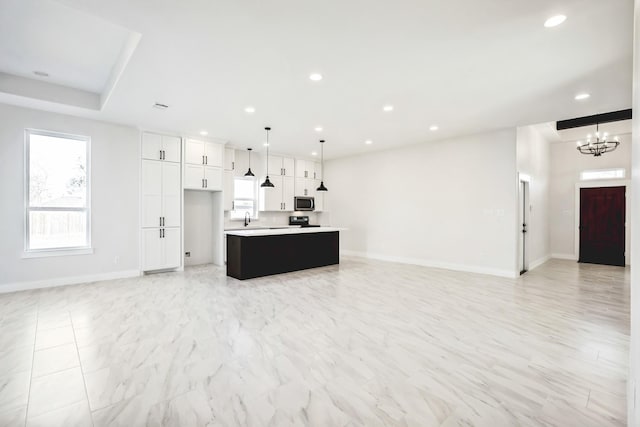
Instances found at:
x=602 y=225
x=523 y=218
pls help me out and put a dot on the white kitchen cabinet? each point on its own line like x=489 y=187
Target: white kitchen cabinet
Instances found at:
x=203 y=153
x=279 y=165
x=161 y=204
x=229 y=159
x=318 y=197
x=228 y=190
x=305 y=169
x=160 y=248
x=202 y=178
x=160 y=147
x=305 y=187
x=160 y=194
x=280 y=197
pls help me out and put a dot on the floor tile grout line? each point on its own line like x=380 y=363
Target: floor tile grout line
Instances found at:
x=33 y=356
x=84 y=382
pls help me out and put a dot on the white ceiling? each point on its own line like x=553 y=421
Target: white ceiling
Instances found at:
x=76 y=49
x=466 y=65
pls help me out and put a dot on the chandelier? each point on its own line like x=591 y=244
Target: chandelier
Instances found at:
x=600 y=145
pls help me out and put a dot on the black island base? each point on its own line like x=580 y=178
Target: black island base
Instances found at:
x=256 y=256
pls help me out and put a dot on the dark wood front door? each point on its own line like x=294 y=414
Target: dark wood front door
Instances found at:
x=602 y=216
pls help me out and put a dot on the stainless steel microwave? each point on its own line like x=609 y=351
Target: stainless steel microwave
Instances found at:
x=303 y=204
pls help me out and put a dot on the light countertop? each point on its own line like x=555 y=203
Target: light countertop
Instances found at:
x=280 y=231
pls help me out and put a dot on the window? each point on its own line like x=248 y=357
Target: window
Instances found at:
x=57 y=191
x=244 y=198
x=602 y=174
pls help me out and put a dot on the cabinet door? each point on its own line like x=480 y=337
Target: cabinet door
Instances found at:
x=317 y=170
x=275 y=166
x=214 y=154
x=171 y=192
x=300 y=186
x=228 y=190
x=151 y=249
x=171 y=248
x=193 y=176
x=288 y=166
x=288 y=193
x=151 y=146
x=151 y=193
x=212 y=178
x=301 y=167
x=194 y=152
x=229 y=159
x=271 y=197
x=171 y=146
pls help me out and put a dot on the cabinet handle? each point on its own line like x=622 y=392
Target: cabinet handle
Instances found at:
x=206 y=183
x=233 y=205
x=285 y=171
x=206 y=160
x=164 y=155
x=160 y=221
x=161 y=233
x=163 y=221
x=202 y=182
x=233 y=165
x=203 y=159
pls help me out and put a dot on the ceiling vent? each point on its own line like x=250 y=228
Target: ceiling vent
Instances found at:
x=160 y=106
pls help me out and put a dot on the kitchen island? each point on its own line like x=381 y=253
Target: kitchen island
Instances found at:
x=263 y=252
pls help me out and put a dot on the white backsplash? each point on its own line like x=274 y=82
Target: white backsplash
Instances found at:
x=269 y=219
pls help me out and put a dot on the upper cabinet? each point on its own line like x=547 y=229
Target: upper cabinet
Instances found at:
x=280 y=196
x=203 y=153
x=160 y=147
x=307 y=169
x=229 y=159
x=280 y=165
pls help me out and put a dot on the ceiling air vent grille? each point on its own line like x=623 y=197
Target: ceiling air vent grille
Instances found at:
x=160 y=106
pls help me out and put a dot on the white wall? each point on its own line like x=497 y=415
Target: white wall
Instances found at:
x=533 y=153
x=634 y=354
x=450 y=204
x=114 y=202
x=198 y=227
x=566 y=165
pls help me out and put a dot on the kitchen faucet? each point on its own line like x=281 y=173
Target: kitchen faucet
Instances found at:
x=247 y=218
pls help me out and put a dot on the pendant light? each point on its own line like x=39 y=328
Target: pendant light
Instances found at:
x=249 y=173
x=266 y=182
x=322 y=187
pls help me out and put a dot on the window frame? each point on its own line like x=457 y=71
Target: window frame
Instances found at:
x=600 y=177
x=255 y=214
x=53 y=251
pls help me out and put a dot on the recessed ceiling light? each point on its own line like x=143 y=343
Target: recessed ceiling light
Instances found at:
x=368 y=142
x=160 y=106
x=204 y=133
x=314 y=153
x=41 y=74
x=434 y=128
x=316 y=77
x=318 y=128
x=388 y=108
x=250 y=110
x=582 y=96
x=554 y=21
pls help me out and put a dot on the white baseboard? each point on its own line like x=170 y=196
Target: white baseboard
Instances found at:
x=571 y=257
x=539 y=262
x=433 y=264
x=64 y=281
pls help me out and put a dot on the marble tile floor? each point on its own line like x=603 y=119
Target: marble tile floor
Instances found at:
x=365 y=343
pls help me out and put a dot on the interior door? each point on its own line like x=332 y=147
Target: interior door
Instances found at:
x=602 y=228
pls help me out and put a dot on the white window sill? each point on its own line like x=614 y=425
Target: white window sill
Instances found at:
x=57 y=252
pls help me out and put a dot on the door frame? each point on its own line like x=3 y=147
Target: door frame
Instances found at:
x=627 y=207
x=523 y=212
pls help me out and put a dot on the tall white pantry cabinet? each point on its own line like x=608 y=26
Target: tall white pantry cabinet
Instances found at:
x=161 y=203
